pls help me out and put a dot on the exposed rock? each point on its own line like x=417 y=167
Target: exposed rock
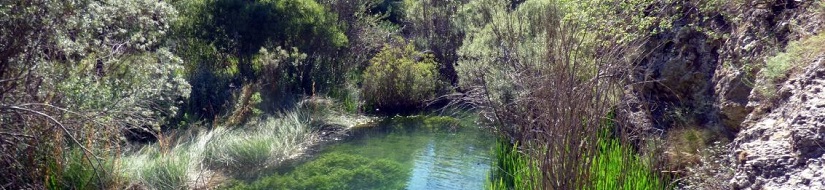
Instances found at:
x=784 y=149
x=694 y=78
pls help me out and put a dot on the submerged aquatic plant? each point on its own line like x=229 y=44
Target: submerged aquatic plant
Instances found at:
x=337 y=171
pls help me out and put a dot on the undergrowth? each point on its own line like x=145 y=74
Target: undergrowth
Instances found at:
x=242 y=152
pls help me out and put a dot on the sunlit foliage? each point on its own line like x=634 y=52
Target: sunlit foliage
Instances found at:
x=399 y=79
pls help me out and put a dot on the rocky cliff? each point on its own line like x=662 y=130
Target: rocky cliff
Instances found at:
x=783 y=148
x=702 y=73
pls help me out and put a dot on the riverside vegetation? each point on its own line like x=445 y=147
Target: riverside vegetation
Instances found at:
x=256 y=94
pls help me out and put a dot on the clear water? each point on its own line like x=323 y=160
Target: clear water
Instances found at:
x=412 y=153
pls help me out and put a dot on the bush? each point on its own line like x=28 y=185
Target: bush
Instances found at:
x=399 y=79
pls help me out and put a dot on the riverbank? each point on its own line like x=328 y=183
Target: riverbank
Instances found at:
x=196 y=159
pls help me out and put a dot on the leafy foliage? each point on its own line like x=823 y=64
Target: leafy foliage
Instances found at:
x=70 y=75
x=137 y=91
x=243 y=27
x=399 y=78
x=223 y=40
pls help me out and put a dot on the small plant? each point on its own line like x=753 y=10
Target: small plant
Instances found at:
x=796 y=54
x=251 y=152
x=157 y=170
x=244 y=152
x=714 y=170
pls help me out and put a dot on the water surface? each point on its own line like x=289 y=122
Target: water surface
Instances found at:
x=398 y=153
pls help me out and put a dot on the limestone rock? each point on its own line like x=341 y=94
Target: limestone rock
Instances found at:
x=784 y=149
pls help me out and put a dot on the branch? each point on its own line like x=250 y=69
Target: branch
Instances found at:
x=16 y=135
x=65 y=130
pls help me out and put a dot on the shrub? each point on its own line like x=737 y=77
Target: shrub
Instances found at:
x=399 y=79
x=685 y=147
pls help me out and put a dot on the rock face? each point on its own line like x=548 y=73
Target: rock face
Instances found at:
x=784 y=149
x=697 y=79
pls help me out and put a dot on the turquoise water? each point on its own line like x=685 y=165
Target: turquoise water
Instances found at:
x=401 y=153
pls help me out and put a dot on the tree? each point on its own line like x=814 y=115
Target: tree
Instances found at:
x=430 y=23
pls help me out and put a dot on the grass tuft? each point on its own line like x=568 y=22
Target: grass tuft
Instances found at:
x=242 y=152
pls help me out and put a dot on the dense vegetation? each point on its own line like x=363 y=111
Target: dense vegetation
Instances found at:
x=182 y=93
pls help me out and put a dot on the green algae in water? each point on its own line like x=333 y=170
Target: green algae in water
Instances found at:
x=416 y=152
x=337 y=171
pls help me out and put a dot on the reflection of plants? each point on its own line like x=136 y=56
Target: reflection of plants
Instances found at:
x=337 y=171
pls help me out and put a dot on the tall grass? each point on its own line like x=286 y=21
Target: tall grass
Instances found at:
x=512 y=168
x=76 y=171
x=202 y=160
x=618 y=167
x=615 y=166
x=249 y=150
x=153 y=169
